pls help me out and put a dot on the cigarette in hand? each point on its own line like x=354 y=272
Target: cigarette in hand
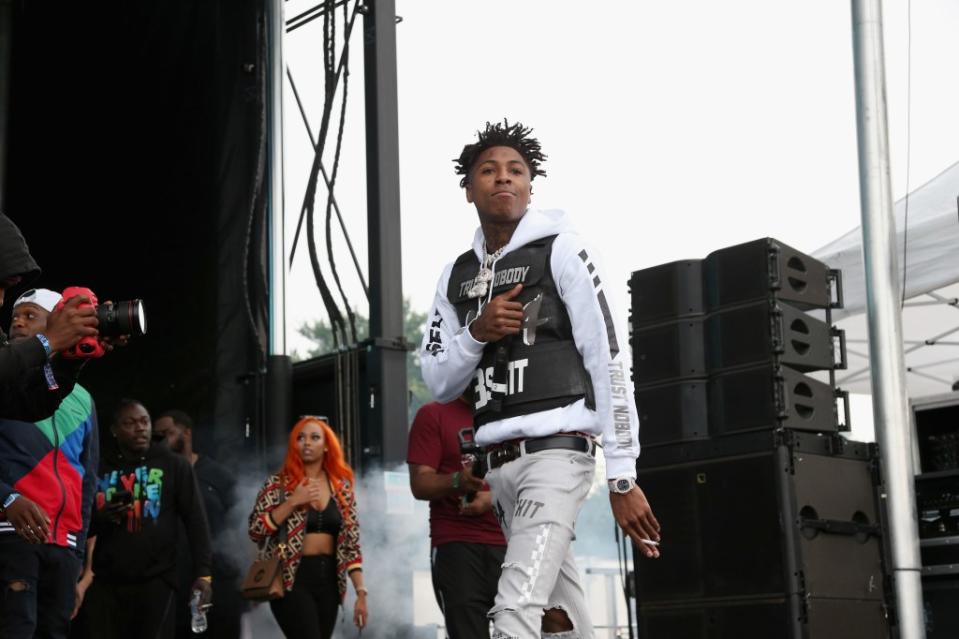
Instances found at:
x=649 y=542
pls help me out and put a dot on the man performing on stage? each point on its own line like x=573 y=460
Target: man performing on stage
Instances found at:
x=522 y=318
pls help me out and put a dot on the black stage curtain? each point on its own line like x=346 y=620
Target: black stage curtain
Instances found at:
x=136 y=150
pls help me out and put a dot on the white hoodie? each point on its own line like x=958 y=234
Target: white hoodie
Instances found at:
x=450 y=356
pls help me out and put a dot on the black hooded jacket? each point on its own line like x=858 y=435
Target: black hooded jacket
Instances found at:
x=24 y=392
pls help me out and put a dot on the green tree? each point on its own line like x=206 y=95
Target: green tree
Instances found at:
x=321 y=334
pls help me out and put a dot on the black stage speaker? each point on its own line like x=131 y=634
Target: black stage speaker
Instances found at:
x=723 y=345
x=766 y=332
x=335 y=386
x=770 y=396
x=758 y=333
x=767 y=268
x=671 y=352
x=672 y=413
x=666 y=292
x=940 y=595
x=825 y=619
x=758 y=398
x=937 y=500
x=772 y=530
x=758 y=270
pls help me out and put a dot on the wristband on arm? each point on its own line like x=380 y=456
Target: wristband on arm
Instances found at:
x=47 y=370
x=12 y=497
x=46 y=345
x=51 y=379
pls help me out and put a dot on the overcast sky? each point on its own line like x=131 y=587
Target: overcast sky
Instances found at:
x=672 y=128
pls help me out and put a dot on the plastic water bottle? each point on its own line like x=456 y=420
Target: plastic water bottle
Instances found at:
x=197 y=614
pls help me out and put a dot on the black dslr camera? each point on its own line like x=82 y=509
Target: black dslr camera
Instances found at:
x=471 y=453
x=475 y=454
x=115 y=319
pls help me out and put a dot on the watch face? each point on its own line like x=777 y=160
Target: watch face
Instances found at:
x=622 y=485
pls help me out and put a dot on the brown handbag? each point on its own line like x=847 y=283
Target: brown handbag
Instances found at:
x=264 y=579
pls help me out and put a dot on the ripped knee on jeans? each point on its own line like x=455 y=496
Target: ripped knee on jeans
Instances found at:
x=556 y=620
x=555 y=624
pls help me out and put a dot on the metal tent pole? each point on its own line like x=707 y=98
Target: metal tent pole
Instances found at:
x=274 y=136
x=279 y=367
x=884 y=317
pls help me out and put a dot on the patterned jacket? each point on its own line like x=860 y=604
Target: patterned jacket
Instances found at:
x=264 y=532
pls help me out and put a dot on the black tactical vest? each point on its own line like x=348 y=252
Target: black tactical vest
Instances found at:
x=544 y=369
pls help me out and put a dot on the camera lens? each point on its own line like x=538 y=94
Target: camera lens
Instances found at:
x=122 y=318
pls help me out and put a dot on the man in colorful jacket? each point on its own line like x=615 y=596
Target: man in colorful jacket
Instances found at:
x=47 y=483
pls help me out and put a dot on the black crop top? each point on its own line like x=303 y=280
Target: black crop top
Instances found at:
x=328 y=521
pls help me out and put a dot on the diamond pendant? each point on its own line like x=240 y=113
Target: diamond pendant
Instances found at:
x=478 y=289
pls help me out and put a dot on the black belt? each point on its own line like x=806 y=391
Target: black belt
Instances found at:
x=500 y=454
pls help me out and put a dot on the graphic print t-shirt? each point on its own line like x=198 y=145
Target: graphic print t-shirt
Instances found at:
x=143 y=545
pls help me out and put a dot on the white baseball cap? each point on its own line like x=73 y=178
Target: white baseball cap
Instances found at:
x=42 y=297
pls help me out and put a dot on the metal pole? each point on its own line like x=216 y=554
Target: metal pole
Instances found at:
x=885 y=322
x=387 y=355
x=6 y=48
x=278 y=385
x=274 y=114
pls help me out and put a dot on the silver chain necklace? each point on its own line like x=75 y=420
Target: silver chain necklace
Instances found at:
x=485 y=275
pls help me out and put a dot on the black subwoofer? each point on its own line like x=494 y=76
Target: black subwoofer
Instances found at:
x=773 y=530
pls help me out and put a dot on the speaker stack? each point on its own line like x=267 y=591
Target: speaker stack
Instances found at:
x=770 y=518
x=936 y=421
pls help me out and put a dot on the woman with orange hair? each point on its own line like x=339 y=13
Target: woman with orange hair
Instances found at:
x=312 y=498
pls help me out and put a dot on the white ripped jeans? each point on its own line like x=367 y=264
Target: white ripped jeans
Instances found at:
x=537 y=498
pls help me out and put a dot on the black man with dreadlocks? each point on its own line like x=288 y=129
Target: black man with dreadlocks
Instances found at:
x=522 y=319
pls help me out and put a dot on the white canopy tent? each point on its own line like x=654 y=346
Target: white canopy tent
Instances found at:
x=930 y=319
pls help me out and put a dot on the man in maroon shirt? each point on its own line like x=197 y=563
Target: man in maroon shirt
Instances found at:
x=468 y=546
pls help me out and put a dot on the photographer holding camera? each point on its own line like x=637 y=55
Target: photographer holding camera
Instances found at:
x=33 y=380
x=47 y=486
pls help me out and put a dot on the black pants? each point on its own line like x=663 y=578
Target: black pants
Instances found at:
x=228 y=607
x=465 y=576
x=122 y=611
x=36 y=576
x=309 y=610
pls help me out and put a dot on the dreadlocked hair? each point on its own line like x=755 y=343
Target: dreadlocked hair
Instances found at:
x=516 y=136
